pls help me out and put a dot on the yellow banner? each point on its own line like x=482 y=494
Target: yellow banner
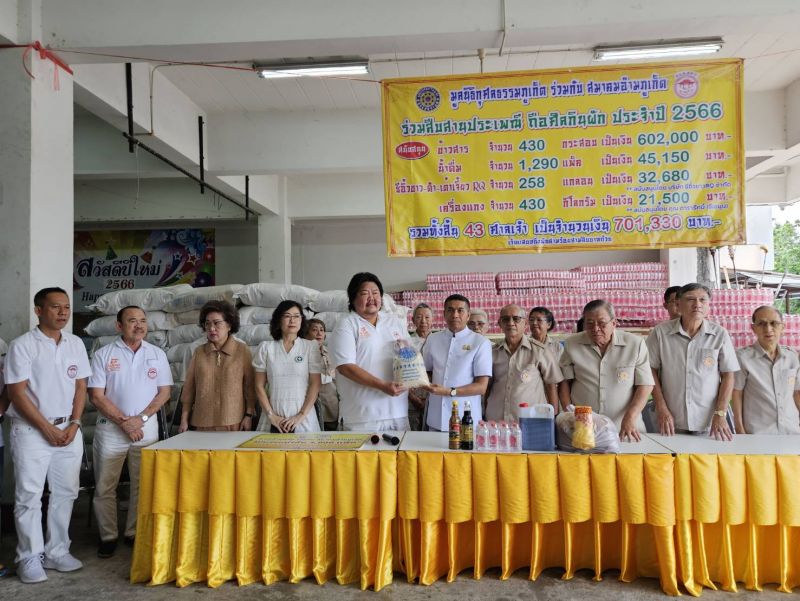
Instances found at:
x=640 y=156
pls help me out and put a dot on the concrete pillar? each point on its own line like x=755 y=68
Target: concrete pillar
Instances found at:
x=36 y=186
x=682 y=265
x=275 y=243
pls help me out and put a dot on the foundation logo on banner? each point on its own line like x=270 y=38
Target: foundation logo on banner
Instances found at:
x=428 y=99
x=687 y=84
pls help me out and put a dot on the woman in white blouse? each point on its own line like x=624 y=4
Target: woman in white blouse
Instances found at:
x=291 y=366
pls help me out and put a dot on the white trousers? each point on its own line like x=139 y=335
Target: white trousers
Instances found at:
x=110 y=448
x=36 y=461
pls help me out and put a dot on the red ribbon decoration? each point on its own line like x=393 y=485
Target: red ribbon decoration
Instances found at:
x=44 y=54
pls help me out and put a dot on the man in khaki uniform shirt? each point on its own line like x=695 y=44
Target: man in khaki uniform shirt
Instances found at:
x=522 y=370
x=766 y=392
x=607 y=369
x=694 y=364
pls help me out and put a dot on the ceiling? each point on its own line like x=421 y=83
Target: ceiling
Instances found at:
x=772 y=61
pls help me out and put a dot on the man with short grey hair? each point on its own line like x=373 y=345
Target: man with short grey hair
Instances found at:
x=766 y=391
x=523 y=370
x=478 y=321
x=694 y=364
x=607 y=369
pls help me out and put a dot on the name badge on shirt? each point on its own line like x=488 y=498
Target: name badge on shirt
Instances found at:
x=363 y=332
x=466 y=347
x=72 y=371
x=152 y=373
x=113 y=365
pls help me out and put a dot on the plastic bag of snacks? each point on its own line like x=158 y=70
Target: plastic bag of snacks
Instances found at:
x=583 y=430
x=408 y=367
x=573 y=429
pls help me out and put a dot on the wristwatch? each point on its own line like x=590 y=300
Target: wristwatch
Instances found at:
x=250 y=415
x=452 y=392
x=721 y=413
x=144 y=417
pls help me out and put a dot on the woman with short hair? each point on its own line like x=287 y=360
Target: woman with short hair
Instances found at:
x=219 y=393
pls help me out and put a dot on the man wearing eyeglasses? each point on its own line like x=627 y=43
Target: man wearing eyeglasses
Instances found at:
x=478 y=321
x=608 y=370
x=694 y=364
x=766 y=390
x=523 y=370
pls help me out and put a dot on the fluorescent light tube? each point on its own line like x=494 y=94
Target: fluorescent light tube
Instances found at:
x=665 y=50
x=312 y=70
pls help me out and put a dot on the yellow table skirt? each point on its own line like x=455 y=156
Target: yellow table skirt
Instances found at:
x=738 y=520
x=461 y=510
x=265 y=516
x=692 y=520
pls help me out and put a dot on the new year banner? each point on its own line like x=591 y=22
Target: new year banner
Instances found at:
x=108 y=260
x=641 y=156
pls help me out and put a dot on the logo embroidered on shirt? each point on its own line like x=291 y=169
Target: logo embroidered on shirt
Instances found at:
x=298 y=359
x=72 y=371
x=113 y=365
x=708 y=361
x=152 y=373
x=363 y=332
x=525 y=376
x=622 y=375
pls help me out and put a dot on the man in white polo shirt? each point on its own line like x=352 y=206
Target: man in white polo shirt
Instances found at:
x=131 y=380
x=45 y=372
x=460 y=363
x=361 y=350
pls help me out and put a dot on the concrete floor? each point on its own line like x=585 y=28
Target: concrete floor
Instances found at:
x=108 y=579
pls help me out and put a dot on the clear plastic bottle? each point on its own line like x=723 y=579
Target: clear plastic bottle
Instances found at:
x=481 y=436
x=492 y=437
x=516 y=438
x=504 y=436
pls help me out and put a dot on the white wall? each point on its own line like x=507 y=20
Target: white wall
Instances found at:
x=131 y=200
x=326 y=254
x=8 y=20
x=170 y=203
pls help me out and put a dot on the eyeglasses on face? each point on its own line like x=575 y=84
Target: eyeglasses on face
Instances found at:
x=510 y=318
x=217 y=324
x=600 y=325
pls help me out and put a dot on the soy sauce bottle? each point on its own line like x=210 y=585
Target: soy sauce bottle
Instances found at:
x=455 y=428
x=467 y=443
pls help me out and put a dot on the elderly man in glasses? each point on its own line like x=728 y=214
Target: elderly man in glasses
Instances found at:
x=523 y=369
x=608 y=370
x=766 y=390
x=694 y=365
